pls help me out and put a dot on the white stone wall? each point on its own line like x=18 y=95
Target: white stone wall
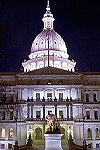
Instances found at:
x=25 y=92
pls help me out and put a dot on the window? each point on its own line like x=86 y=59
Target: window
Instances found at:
x=97 y=134
x=89 y=133
x=95 y=97
x=3 y=97
x=87 y=97
x=3 y=133
x=2 y=146
x=38 y=114
x=38 y=134
x=60 y=114
x=97 y=146
x=11 y=97
x=49 y=112
x=11 y=115
x=87 y=114
x=49 y=96
x=95 y=114
x=37 y=96
x=60 y=96
x=3 y=115
x=10 y=133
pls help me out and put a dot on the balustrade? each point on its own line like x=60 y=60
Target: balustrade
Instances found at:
x=50 y=100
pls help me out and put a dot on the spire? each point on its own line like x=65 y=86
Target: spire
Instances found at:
x=48 y=6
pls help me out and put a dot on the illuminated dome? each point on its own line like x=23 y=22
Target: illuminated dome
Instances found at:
x=55 y=42
x=48 y=48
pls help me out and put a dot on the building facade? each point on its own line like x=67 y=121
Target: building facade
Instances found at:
x=49 y=84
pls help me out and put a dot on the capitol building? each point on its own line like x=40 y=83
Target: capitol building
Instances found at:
x=49 y=84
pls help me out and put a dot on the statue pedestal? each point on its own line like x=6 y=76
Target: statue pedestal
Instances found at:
x=53 y=141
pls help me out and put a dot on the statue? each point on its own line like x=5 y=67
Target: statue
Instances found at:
x=53 y=124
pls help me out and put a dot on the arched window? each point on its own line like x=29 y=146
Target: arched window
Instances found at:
x=3 y=133
x=89 y=132
x=11 y=133
x=11 y=115
x=97 y=134
x=38 y=134
x=3 y=115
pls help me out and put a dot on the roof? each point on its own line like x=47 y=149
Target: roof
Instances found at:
x=50 y=71
x=90 y=73
x=8 y=73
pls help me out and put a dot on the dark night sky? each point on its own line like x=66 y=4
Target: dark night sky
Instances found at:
x=77 y=21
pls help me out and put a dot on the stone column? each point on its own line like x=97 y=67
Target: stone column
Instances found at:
x=66 y=112
x=7 y=133
x=21 y=94
x=77 y=96
x=92 y=114
x=70 y=92
x=79 y=93
x=69 y=112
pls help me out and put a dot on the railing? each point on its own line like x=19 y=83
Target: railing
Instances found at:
x=35 y=119
x=52 y=100
x=43 y=119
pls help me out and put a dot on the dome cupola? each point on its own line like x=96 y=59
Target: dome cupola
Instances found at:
x=48 y=48
x=48 y=18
